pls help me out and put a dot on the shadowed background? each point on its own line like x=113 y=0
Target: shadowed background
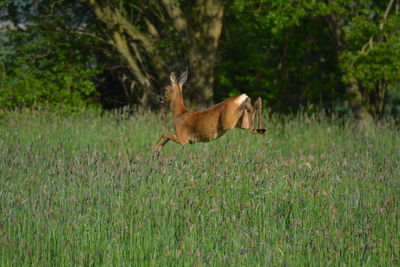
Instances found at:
x=337 y=56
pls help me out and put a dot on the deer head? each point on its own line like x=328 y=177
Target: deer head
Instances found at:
x=174 y=90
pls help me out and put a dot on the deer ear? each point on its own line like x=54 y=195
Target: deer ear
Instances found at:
x=172 y=77
x=183 y=77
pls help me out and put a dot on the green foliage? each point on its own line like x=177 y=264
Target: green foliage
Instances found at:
x=45 y=65
x=85 y=190
x=375 y=53
x=286 y=51
x=283 y=51
x=372 y=50
x=45 y=70
x=280 y=53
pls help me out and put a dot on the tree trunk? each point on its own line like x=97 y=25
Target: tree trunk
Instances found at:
x=199 y=31
x=378 y=98
x=356 y=102
x=202 y=36
x=200 y=89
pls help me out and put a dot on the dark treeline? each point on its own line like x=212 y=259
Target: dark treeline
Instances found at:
x=342 y=56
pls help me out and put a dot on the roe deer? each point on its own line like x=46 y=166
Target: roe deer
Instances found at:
x=206 y=125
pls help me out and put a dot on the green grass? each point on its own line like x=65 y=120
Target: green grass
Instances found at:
x=84 y=190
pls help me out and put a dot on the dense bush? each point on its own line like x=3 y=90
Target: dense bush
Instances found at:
x=46 y=69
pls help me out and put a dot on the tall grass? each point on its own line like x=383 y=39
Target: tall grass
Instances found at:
x=85 y=190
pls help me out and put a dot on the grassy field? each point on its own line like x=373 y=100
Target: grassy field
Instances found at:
x=84 y=190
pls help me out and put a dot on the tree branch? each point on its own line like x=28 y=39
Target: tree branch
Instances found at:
x=81 y=32
x=370 y=42
x=116 y=22
x=113 y=18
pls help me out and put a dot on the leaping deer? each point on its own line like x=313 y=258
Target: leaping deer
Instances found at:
x=206 y=125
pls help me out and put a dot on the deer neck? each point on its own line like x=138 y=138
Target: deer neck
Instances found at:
x=177 y=105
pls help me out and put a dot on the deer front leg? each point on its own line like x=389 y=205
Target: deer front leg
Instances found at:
x=257 y=108
x=164 y=139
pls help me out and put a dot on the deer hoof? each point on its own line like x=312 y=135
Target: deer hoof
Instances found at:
x=260 y=131
x=155 y=154
x=153 y=148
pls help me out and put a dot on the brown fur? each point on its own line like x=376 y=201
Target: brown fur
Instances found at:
x=212 y=123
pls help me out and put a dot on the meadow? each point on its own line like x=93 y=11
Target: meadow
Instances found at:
x=84 y=189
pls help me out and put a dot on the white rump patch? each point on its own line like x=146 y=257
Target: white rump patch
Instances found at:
x=240 y=99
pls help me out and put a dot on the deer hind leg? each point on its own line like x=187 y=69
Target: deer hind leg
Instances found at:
x=257 y=108
x=164 y=139
x=249 y=113
x=246 y=119
x=231 y=116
